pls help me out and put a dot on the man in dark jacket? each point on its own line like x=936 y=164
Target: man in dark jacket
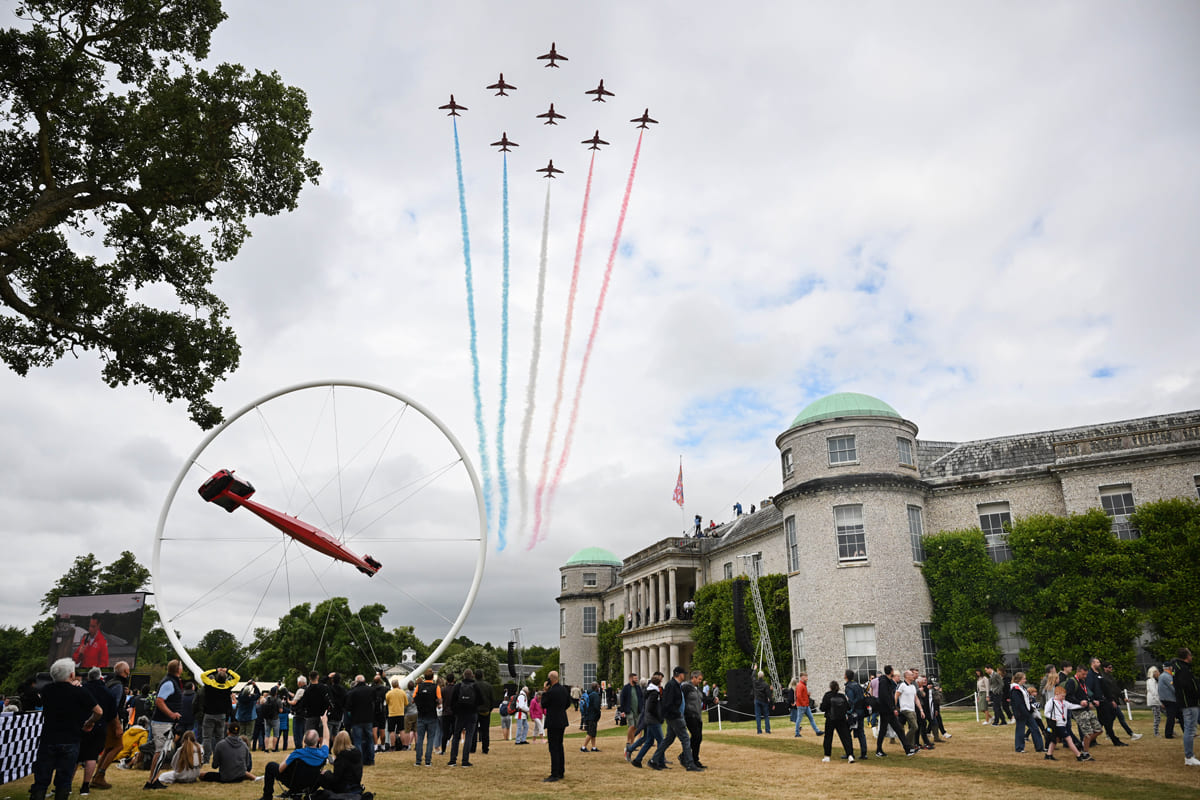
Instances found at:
x=360 y=702
x=1187 y=695
x=483 y=725
x=762 y=702
x=672 y=709
x=590 y=717
x=555 y=701
x=856 y=700
x=316 y=703
x=693 y=700
x=68 y=712
x=1111 y=704
x=464 y=702
x=886 y=706
x=337 y=703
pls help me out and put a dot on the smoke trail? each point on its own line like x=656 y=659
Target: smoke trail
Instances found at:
x=587 y=353
x=531 y=386
x=562 y=362
x=466 y=237
x=501 y=474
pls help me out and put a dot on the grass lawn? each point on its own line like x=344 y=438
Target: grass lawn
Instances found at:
x=977 y=762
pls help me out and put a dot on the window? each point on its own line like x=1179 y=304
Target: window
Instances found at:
x=564 y=582
x=786 y=457
x=589 y=674
x=589 y=580
x=916 y=529
x=793 y=549
x=799 y=663
x=612 y=610
x=756 y=570
x=1117 y=502
x=927 y=648
x=851 y=538
x=728 y=570
x=841 y=450
x=993 y=517
x=905 y=451
x=860 y=651
x=562 y=623
x=589 y=620
x=1197 y=480
x=1008 y=626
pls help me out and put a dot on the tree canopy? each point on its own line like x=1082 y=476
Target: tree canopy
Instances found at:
x=124 y=166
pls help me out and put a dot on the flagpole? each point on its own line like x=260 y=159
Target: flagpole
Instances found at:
x=682 y=508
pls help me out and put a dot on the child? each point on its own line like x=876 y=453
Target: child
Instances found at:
x=1057 y=716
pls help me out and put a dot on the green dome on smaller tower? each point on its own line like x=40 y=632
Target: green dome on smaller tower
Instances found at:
x=844 y=404
x=594 y=555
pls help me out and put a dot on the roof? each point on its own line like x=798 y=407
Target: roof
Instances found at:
x=844 y=404
x=593 y=555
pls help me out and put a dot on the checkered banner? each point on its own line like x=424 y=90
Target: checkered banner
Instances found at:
x=19 y=735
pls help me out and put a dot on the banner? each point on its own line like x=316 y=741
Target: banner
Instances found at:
x=19 y=735
x=98 y=630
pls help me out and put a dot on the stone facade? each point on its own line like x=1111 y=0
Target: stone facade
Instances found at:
x=858 y=493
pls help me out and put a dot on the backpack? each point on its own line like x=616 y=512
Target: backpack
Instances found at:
x=583 y=703
x=512 y=705
x=467 y=702
x=504 y=712
x=425 y=698
x=837 y=707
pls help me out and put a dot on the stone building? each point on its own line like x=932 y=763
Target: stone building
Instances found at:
x=859 y=492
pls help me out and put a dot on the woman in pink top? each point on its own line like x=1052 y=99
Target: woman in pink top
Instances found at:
x=537 y=715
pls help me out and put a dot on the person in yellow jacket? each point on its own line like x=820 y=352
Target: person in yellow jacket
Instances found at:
x=218 y=692
x=134 y=737
x=397 y=700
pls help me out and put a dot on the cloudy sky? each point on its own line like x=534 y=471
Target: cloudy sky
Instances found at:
x=982 y=214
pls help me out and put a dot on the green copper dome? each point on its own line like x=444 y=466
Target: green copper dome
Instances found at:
x=844 y=404
x=593 y=555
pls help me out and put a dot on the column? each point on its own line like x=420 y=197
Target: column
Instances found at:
x=645 y=602
x=658 y=606
x=675 y=660
x=664 y=655
x=699 y=578
x=628 y=660
x=671 y=593
x=651 y=660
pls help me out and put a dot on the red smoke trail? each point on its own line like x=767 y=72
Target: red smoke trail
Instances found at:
x=562 y=362
x=587 y=353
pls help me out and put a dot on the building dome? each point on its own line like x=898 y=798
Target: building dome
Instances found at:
x=594 y=555
x=844 y=404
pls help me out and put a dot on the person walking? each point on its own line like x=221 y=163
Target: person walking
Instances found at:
x=836 y=708
x=803 y=706
x=1187 y=695
x=672 y=709
x=650 y=725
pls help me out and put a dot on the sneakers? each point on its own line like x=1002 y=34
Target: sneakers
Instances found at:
x=880 y=754
x=947 y=735
x=1192 y=762
x=1084 y=757
x=1049 y=757
x=850 y=759
x=825 y=760
x=1135 y=736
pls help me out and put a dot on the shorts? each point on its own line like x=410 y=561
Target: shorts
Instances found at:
x=539 y=726
x=380 y=721
x=271 y=727
x=506 y=722
x=1086 y=719
x=590 y=727
x=1059 y=733
x=113 y=735
x=91 y=745
x=395 y=724
x=410 y=723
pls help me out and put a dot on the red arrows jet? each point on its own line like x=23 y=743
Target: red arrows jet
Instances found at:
x=552 y=56
x=454 y=108
x=229 y=492
x=504 y=143
x=549 y=169
x=500 y=85
x=550 y=116
x=595 y=141
x=644 y=119
x=600 y=93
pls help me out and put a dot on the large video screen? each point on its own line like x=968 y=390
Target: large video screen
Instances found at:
x=98 y=630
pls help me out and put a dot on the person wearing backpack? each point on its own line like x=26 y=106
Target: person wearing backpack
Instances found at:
x=426 y=698
x=836 y=707
x=464 y=702
x=857 y=700
x=589 y=712
x=520 y=712
x=505 y=715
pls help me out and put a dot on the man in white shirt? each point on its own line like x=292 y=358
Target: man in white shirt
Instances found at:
x=906 y=704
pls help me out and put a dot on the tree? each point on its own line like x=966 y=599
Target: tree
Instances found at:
x=330 y=637
x=122 y=576
x=717 y=650
x=608 y=644
x=107 y=127
x=1170 y=549
x=217 y=648
x=480 y=659
x=549 y=662
x=78 y=581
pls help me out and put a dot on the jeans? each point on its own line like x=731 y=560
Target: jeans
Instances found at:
x=762 y=711
x=57 y=760
x=361 y=736
x=522 y=730
x=801 y=713
x=857 y=732
x=651 y=735
x=676 y=729
x=695 y=726
x=427 y=732
x=214 y=731
x=1190 y=715
x=1019 y=734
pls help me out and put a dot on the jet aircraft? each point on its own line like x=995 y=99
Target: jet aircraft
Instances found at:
x=644 y=119
x=504 y=143
x=595 y=141
x=500 y=86
x=550 y=116
x=454 y=108
x=552 y=56
x=600 y=93
x=549 y=169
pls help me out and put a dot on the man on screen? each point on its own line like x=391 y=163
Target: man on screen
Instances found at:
x=93 y=648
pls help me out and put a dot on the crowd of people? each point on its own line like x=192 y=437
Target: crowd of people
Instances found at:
x=336 y=730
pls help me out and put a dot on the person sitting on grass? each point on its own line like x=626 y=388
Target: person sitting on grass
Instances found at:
x=231 y=759
x=302 y=768
x=185 y=766
x=347 y=774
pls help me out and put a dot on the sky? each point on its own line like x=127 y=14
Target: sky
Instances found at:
x=982 y=214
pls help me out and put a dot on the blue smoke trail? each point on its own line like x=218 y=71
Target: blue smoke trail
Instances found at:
x=484 y=467
x=501 y=476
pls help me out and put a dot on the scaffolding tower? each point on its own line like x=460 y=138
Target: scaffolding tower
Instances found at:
x=765 y=651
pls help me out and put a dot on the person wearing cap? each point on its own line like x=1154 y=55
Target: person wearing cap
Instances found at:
x=68 y=712
x=673 y=706
x=231 y=760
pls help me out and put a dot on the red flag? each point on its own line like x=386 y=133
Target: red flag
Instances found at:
x=678 y=497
